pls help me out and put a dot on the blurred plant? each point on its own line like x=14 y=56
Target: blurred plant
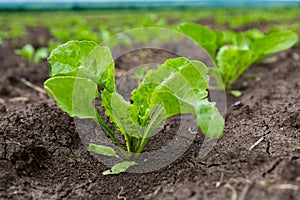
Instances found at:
x=32 y=55
x=234 y=52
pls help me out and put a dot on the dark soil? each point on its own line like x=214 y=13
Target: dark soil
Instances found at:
x=42 y=156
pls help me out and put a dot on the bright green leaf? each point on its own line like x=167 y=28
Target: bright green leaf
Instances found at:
x=180 y=86
x=202 y=35
x=40 y=54
x=103 y=150
x=274 y=42
x=119 y=112
x=73 y=95
x=69 y=56
x=228 y=37
x=236 y=93
x=98 y=66
x=254 y=34
x=27 y=51
x=232 y=62
x=209 y=119
x=119 y=168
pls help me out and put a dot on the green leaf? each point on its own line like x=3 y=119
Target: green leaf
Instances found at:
x=228 y=37
x=99 y=67
x=27 y=51
x=40 y=54
x=84 y=59
x=103 y=150
x=119 y=112
x=242 y=42
x=180 y=86
x=232 y=62
x=78 y=68
x=69 y=56
x=254 y=34
x=119 y=168
x=202 y=35
x=73 y=95
x=274 y=42
x=209 y=119
x=236 y=93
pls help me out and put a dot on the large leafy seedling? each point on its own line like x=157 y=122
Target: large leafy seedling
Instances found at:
x=234 y=52
x=179 y=86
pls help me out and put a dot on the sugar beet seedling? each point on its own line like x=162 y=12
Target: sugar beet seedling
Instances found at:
x=234 y=52
x=179 y=86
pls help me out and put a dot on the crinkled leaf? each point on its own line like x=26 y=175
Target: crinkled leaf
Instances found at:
x=69 y=56
x=99 y=67
x=73 y=95
x=103 y=150
x=119 y=168
x=84 y=59
x=118 y=111
x=209 y=119
x=178 y=75
x=232 y=62
x=180 y=85
x=274 y=42
x=202 y=35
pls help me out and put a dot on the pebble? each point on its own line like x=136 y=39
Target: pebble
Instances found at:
x=295 y=56
x=238 y=104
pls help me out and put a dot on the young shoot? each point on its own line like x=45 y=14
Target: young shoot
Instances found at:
x=179 y=86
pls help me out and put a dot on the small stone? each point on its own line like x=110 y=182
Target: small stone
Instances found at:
x=295 y=56
x=238 y=104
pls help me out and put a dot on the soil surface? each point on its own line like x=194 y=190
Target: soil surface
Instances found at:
x=42 y=156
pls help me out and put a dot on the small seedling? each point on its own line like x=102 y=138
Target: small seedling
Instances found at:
x=27 y=51
x=235 y=93
x=31 y=55
x=179 y=86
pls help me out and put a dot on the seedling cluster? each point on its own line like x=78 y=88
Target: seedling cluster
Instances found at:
x=78 y=69
x=234 y=52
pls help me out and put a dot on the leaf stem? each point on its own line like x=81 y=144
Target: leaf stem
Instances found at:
x=109 y=132
x=156 y=120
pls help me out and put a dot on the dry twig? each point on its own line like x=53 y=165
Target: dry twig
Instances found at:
x=233 y=190
x=286 y=187
x=192 y=132
x=256 y=143
x=268 y=181
x=240 y=180
x=121 y=193
x=18 y=99
x=244 y=192
x=218 y=183
x=34 y=87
